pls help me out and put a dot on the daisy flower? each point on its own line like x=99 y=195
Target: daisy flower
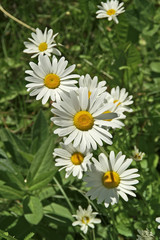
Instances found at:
x=109 y=179
x=158 y=220
x=81 y=118
x=85 y=218
x=145 y=235
x=42 y=43
x=72 y=160
x=49 y=79
x=92 y=84
x=110 y=9
x=137 y=155
x=120 y=98
x=116 y=123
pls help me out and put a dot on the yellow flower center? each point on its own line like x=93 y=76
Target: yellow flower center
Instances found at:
x=43 y=46
x=110 y=179
x=77 y=158
x=51 y=80
x=111 y=12
x=83 y=120
x=85 y=220
x=138 y=156
x=118 y=103
x=89 y=94
x=107 y=119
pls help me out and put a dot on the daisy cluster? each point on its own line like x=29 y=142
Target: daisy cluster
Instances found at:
x=84 y=113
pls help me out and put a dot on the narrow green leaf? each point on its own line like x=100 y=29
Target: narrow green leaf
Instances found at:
x=5 y=235
x=42 y=180
x=10 y=193
x=39 y=132
x=33 y=210
x=28 y=237
x=43 y=160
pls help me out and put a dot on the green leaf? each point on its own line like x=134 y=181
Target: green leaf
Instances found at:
x=124 y=230
x=28 y=237
x=33 y=210
x=15 y=146
x=6 y=236
x=58 y=210
x=3 y=154
x=155 y=67
x=43 y=160
x=10 y=193
x=39 y=132
x=42 y=180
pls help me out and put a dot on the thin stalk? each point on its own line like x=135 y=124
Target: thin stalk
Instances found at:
x=103 y=150
x=64 y=194
x=16 y=19
x=114 y=222
x=93 y=232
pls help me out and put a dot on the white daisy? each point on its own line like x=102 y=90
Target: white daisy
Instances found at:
x=109 y=179
x=137 y=155
x=81 y=118
x=120 y=98
x=158 y=220
x=110 y=9
x=85 y=218
x=92 y=84
x=72 y=160
x=42 y=43
x=145 y=235
x=50 y=78
x=116 y=123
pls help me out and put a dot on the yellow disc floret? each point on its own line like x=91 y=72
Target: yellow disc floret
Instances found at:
x=111 y=179
x=43 y=46
x=111 y=12
x=83 y=120
x=118 y=103
x=107 y=119
x=77 y=158
x=52 y=80
x=85 y=220
x=89 y=94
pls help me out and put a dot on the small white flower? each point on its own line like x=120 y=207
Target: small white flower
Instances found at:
x=158 y=220
x=110 y=9
x=121 y=99
x=81 y=118
x=42 y=43
x=72 y=160
x=92 y=84
x=49 y=79
x=85 y=218
x=109 y=179
x=145 y=235
x=137 y=155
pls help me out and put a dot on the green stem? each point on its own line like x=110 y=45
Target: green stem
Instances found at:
x=114 y=222
x=64 y=194
x=16 y=19
x=93 y=232
x=103 y=150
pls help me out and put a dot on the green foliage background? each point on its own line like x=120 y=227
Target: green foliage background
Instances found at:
x=36 y=201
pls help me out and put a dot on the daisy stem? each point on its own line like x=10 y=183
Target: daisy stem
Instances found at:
x=114 y=222
x=93 y=232
x=15 y=19
x=64 y=194
x=103 y=150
